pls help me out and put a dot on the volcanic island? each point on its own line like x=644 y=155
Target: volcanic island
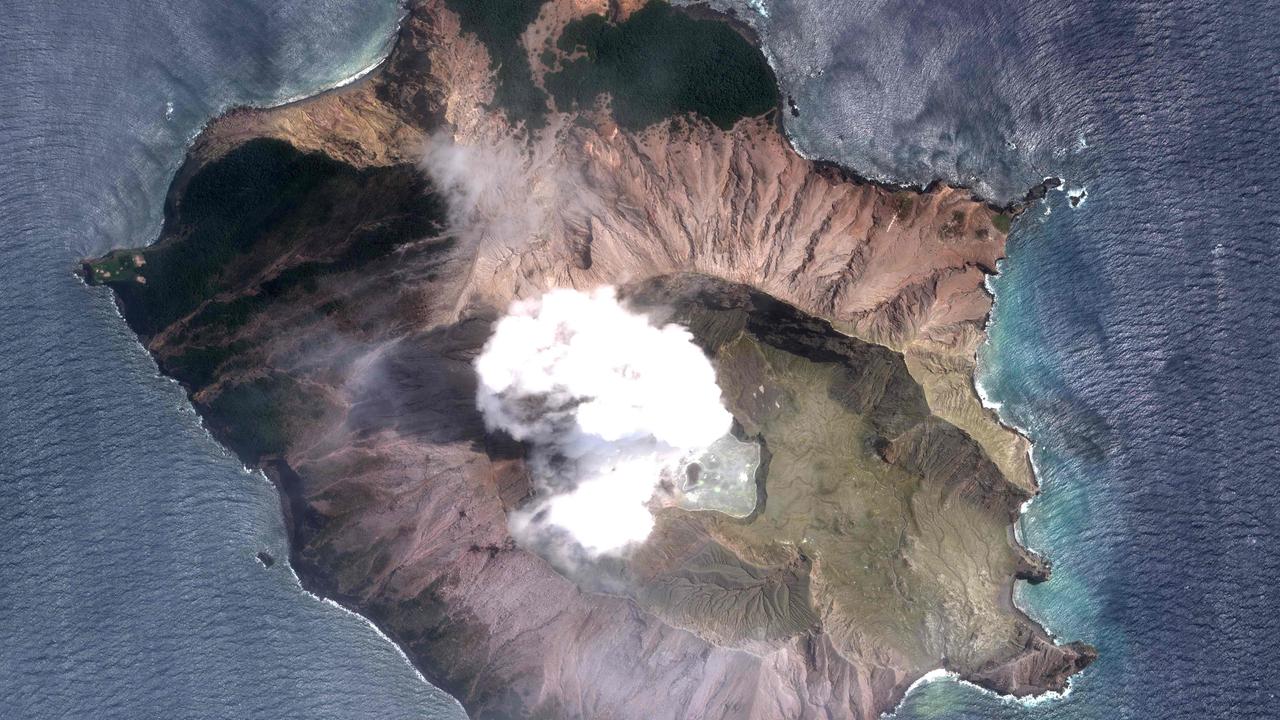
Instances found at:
x=328 y=272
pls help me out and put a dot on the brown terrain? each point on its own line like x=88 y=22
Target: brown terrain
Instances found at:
x=328 y=271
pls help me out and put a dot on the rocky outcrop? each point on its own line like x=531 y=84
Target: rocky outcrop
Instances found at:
x=328 y=271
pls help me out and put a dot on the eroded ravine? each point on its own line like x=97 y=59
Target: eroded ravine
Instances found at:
x=329 y=270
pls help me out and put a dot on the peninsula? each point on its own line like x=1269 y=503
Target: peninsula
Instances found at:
x=329 y=270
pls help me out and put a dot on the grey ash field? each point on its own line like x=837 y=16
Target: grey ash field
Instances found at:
x=328 y=271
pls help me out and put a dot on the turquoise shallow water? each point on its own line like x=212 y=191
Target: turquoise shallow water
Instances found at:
x=1078 y=520
x=1134 y=338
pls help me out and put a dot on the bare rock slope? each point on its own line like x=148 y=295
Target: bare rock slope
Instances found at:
x=329 y=269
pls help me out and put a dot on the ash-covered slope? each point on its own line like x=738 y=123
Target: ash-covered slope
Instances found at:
x=328 y=270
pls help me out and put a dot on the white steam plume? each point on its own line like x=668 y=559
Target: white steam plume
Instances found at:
x=609 y=403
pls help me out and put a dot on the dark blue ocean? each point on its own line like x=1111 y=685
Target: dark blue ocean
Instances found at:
x=129 y=586
x=1134 y=339
x=1135 y=336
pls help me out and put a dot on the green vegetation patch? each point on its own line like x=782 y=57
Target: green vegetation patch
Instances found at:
x=259 y=417
x=1002 y=222
x=498 y=24
x=261 y=195
x=227 y=206
x=660 y=63
x=117 y=266
x=904 y=203
x=894 y=513
x=197 y=367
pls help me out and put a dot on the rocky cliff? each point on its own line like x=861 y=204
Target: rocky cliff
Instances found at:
x=329 y=269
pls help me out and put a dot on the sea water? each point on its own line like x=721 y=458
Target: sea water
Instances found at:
x=1134 y=336
x=129 y=584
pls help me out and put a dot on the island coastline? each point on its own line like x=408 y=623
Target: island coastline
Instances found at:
x=295 y=504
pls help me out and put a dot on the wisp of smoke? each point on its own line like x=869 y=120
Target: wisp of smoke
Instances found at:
x=489 y=188
x=506 y=193
x=609 y=404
